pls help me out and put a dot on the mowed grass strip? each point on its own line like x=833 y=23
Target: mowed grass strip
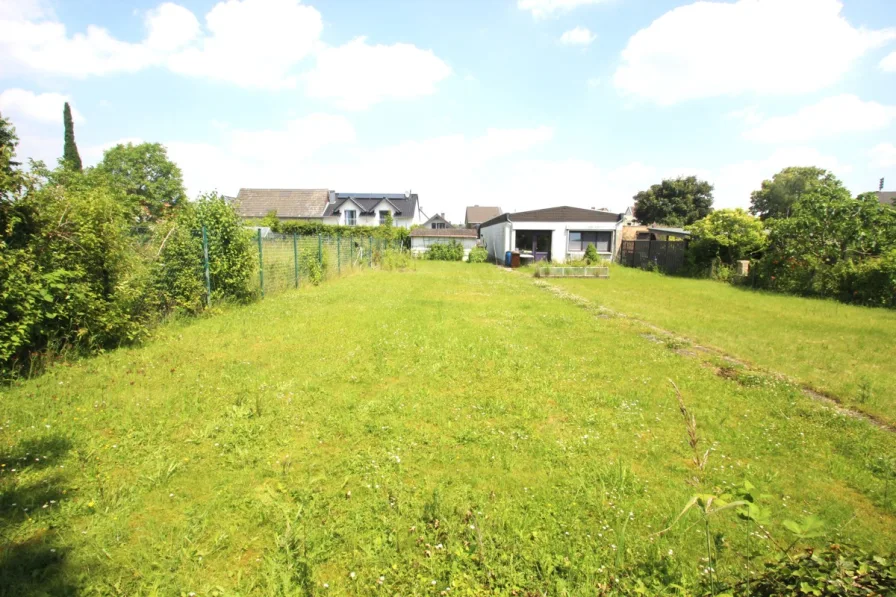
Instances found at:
x=450 y=427
x=842 y=350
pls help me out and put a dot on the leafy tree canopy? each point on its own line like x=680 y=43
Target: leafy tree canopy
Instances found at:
x=152 y=183
x=829 y=226
x=777 y=196
x=674 y=202
x=727 y=234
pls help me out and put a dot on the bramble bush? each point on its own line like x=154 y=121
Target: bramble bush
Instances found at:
x=76 y=274
x=833 y=246
x=453 y=251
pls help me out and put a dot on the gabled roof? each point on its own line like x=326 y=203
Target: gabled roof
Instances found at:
x=445 y=232
x=436 y=218
x=404 y=205
x=557 y=214
x=886 y=197
x=288 y=203
x=477 y=214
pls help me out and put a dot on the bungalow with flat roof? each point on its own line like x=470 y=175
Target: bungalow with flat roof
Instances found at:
x=555 y=234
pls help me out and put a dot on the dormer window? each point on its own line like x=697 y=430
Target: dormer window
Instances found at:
x=351 y=217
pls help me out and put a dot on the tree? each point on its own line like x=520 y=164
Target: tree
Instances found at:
x=726 y=234
x=777 y=196
x=70 y=154
x=152 y=183
x=674 y=202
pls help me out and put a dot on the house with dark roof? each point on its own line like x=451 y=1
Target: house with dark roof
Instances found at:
x=423 y=238
x=371 y=209
x=330 y=207
x=555 y=234
x=288 y=204
x=436 y=222
x=477 y=214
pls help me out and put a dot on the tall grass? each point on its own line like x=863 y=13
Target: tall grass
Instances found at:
x=446 y=429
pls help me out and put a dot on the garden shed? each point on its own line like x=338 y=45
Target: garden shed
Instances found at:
x=423 y=238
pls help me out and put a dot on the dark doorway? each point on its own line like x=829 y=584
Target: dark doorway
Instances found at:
x=535 y=242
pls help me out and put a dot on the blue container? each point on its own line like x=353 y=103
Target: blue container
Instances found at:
x=507 y=258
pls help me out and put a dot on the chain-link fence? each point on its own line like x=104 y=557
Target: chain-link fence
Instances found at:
x=285 y=261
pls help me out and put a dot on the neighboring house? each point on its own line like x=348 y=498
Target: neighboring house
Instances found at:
x=370 y=209
x=887 y=197
x=423 y=238
x=330 y=207
x=437 y=222
x=556 y=234
x=476 y=215
x=289 y=204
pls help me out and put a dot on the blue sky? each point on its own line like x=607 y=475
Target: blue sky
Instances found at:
x=519 y=103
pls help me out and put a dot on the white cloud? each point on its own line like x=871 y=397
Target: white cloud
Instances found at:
x=39 y=107
x=252 y=43
x=711 y=49
x=249 y=43
x=357 y=74
x=542 y=9
x=830 y=117
x=579 y=36
x=883 y=155
x=16 y=10
x=46 y=47
x=300 y=139
x=170 y=26
x=749 y=115
x=888 y=64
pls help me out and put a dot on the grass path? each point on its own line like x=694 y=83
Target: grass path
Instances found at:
x=843 y=351
x=453 y=426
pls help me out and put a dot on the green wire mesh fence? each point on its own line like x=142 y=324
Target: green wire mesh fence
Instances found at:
x=286 y=261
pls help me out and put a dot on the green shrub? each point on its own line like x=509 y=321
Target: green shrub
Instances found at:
x=837 y=570
x=478 y=255
x=312 y=269
x=399 y=236
x=591 y=255
x=452 y=251
x=394 y=259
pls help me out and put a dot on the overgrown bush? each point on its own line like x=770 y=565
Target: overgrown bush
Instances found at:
x=837 y=570
x=832 y=245
x=312 y=268
x=394 y=259
x=721 y=239
x=451 y=251
x=79 y=270
x=478 y=255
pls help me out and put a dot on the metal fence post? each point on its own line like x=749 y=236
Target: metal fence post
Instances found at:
x=295 y=257
x=260 y=264
x=208 y=277
x=338 y=253
x=320 y=249
x=369 y=251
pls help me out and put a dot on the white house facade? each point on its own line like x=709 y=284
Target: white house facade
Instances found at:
x=372 y=209
x=556 y=234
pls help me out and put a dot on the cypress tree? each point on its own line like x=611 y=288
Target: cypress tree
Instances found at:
x=70 y=150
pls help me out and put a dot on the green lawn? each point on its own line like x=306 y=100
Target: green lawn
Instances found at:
x=845 y=351
x=404 y=433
